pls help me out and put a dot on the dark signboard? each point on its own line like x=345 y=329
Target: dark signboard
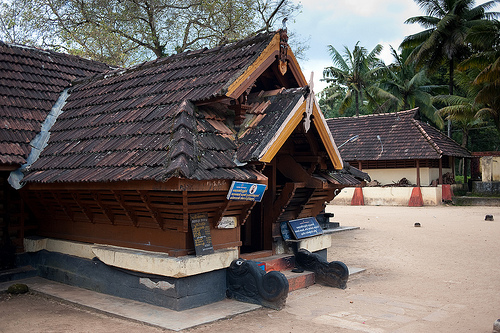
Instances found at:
x=201 y=234
x=246 y=191
x=305 y=227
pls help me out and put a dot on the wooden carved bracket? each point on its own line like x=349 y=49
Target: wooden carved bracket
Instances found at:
x=245 y=212
x=152 y=211
x=284 y=199
x=130 y=214
x=65 y=208
x=86 y=211
x=220 y=213
x=106 y=210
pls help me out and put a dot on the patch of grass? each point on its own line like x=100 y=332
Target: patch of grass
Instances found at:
x=460 y=193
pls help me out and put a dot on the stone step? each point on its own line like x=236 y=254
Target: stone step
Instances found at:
x=285 y=264
x=256 y=255
x=277 y=262
x=299 y=280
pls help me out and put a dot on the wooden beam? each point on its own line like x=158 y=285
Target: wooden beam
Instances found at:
x=129 y=213
x=153 y=212
x=245 y=212
x=172 y=184
x=220 y=212
x=284 y=199
x=294 y=171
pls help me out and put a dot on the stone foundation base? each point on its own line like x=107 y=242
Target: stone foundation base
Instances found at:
x=173 y=293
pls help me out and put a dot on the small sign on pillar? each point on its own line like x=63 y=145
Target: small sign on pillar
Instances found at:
x=246 y=191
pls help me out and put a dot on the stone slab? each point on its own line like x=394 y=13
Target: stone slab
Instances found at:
x=476 y=201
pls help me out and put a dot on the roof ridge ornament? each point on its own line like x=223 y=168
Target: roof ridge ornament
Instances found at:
x=309 y=104
x=283 y=53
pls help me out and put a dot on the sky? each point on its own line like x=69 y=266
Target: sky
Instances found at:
x=344 y=22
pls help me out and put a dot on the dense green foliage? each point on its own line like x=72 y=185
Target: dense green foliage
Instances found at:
x=124 y=32
x=450 y=71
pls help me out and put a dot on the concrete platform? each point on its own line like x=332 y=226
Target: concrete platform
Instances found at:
x=133 y=310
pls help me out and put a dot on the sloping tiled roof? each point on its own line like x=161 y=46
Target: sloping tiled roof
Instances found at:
x=141 y=123
x=391 y=136
x=31 y=81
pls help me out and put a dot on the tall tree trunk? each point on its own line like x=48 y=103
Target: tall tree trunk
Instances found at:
x=450 y=90
x=356 y=102
x=465 y=137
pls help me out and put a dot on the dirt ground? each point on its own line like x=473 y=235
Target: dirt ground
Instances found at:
x=441 y=277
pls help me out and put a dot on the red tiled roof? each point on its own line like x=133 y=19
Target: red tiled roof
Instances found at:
x=31 y=81
x=391 y=136
x=141 y=123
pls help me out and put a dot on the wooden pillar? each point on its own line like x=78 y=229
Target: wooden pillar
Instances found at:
x=360 y=166
x=466 y=183
x=441 y=171
x=418 y=173
x=267 y=206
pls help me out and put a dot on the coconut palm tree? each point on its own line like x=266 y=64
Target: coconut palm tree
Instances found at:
x=486 y=39
x=409 y=88
x=447 y=23
x=489 y=95
x=462 y=110
x=356 y=71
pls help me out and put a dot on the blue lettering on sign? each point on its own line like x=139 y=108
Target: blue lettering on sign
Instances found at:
x=305 y=227
x=246 y=191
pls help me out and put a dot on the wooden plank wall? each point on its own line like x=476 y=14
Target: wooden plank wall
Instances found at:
x=123 y=217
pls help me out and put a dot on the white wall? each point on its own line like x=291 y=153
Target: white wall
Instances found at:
x=389 y=196
x=490 y=168
x=391 y=176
